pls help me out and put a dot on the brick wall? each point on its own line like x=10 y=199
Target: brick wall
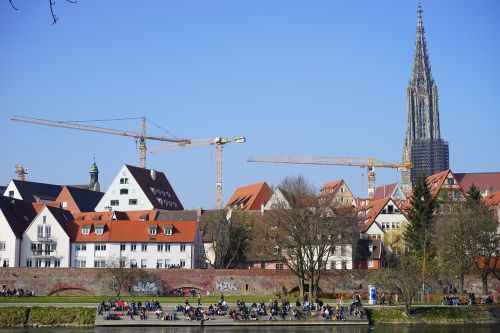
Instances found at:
x=262 y=282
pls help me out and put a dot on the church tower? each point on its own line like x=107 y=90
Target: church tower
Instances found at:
x=94 y=178
x=423 y=146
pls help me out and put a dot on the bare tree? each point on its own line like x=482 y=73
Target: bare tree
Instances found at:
x=452 y=231
x=122 y=274
x=405 y=280
x=52 y=4
x=228 y=233
x=304 y=231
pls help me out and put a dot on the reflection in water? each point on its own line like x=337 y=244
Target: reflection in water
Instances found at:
x=273 y=329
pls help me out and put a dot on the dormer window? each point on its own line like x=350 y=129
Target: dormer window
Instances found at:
x=168 y=230
x=86 y=230
x=99 y=230
x=152 y=230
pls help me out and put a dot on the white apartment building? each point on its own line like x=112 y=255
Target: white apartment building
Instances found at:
x=46 y=241
x=139 y=189
x=141 y=244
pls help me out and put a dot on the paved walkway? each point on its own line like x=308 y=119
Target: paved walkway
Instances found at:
x=151 y=320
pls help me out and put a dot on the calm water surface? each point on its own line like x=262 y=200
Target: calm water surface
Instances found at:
x=364 y=329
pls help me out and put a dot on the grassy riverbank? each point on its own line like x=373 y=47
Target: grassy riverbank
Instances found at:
x=46 y=316
x=432 y=314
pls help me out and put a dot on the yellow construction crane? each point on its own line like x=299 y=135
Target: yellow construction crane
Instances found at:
x=369 y=163
x=142 y=136
x=219 y=142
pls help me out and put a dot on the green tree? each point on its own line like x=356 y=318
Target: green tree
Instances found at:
x=474 y=196
x=417 y=234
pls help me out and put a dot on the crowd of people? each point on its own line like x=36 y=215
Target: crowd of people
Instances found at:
x=16 y=292
x=275 y=309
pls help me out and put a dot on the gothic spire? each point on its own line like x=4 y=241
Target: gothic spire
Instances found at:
x=421 y=76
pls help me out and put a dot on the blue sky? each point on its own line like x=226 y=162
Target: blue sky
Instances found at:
x=308 y=78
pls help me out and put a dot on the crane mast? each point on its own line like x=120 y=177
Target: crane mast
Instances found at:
x=219 y=142
x=368 y=163
x=142 y=136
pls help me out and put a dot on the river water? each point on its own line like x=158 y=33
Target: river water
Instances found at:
x=273 y=329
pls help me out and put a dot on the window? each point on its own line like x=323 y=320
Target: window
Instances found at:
x=168 y=231
x=167 y=247
x=451 y=181
x=279 y=266
x=159 y=263
x=133 y=247
x=99 y=230
x=183 y=247
x=78 y=263
x=64 y=204
x=167 y=263
x=47 y=231
x=123 y=263
x=99 y=263
x=2 y=246
x=123 y=247
x=47 y=263
x=160 y=247
x=262 y=264
x=100 y=247
x=38 y=263
x=11 y=194
x=152 y=231
x=133 y=263
x=124 y=191
x=390 y=209
x=370 y=263
x=370 y=248
x=44 y=219
x=123 y=180
x=344 y=264
x=29 y=263
x=81 y=247
x=86 y=230
x=114 y=203
x=144 y=247
x=182 y=263
x=132 y=201
x=144 y=263
x=39 y=232
x=5 y=263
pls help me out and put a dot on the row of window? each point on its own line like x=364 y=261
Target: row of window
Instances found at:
x=117 y=202
x=43 y=263
x=390 y=225
x=123 y=247
x=99 y=263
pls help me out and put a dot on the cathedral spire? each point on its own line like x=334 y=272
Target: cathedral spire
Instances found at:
x=423 y=144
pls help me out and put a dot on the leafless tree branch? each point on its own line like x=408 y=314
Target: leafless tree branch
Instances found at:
x=12 y=4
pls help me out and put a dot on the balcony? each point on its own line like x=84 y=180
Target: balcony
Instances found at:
x=45 y=238
x=44 y=254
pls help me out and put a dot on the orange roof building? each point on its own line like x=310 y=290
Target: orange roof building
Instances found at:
x=250 y=197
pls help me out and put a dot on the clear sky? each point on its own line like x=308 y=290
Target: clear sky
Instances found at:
x=308 y=78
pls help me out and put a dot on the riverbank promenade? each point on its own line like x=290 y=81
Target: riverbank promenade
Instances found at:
x=151 y=319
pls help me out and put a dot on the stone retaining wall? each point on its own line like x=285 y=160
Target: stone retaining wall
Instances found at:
x=99 y=281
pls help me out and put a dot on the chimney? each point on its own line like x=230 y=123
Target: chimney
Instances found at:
x=199 y=210
x=153 y=174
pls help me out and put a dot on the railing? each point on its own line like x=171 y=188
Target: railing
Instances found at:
x=45 y=238
x=44 y=253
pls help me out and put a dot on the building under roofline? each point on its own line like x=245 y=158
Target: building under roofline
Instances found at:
x=370 y=254
x=32 y=191
x=15 y=217
x=141 y=244
x=250 y=197
x=139 y=189
x=487 y=182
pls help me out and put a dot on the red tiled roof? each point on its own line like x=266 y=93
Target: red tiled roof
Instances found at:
x=332 y=185
x=383 y=191
x=483 y=180
x=435 y=181
x=492 y=200
x=374 y=208
x=251 y=197
x=137 y=231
